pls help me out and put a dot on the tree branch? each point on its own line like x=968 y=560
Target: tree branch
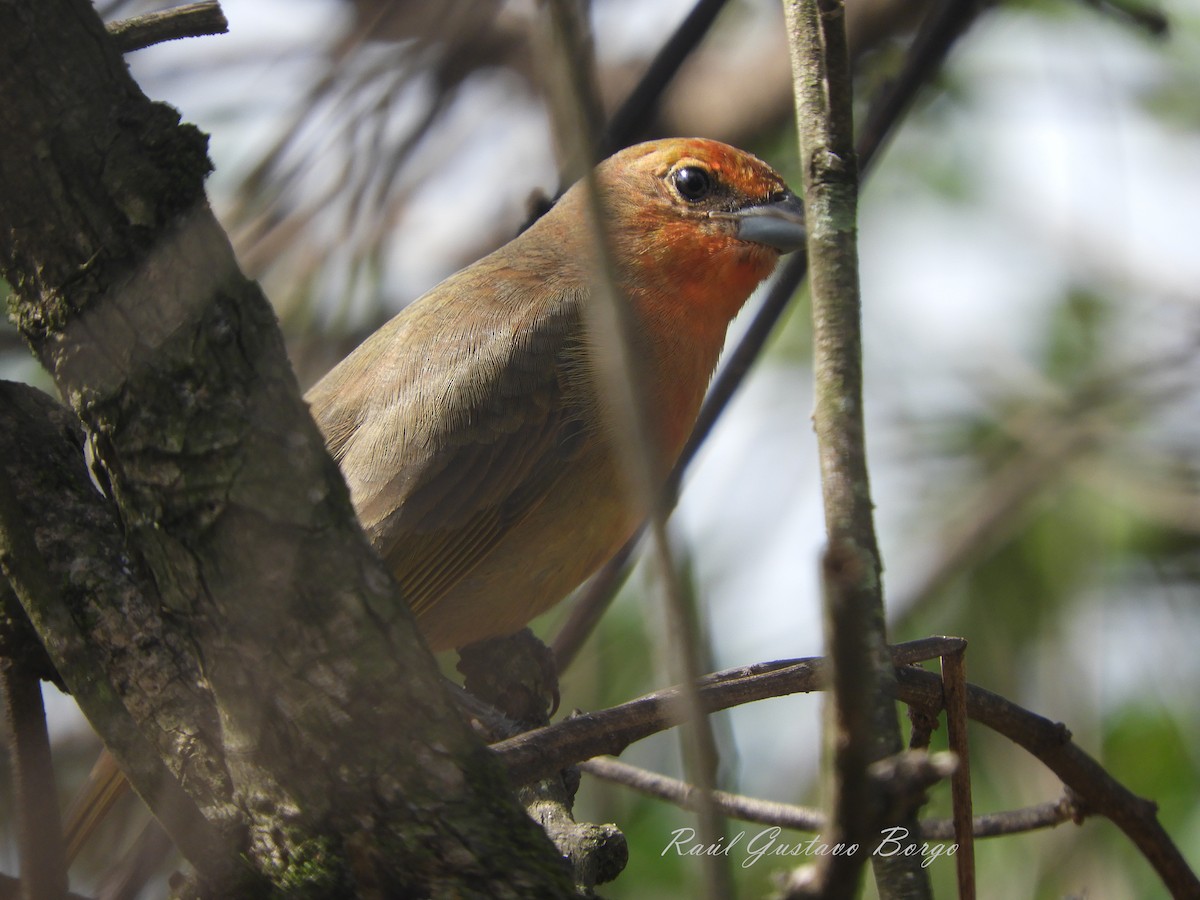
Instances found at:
x=862 y=729
x=1090 y=789
x=802 y=818
x=193 y=20
x=954 y=691
x=1094 y=789
x=537 y=753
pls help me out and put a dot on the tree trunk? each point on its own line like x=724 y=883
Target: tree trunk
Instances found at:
x=244 y=652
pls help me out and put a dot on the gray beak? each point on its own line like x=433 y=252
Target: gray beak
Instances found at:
x=778 y=224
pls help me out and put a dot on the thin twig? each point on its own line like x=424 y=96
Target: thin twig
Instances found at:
x=193 y=20
x=537 y=753
x=954 y=679
x=945 y=24
x=803 y=818
x=680 y=793
x=923 y=649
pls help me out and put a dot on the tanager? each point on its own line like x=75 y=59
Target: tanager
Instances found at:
x=470 y=428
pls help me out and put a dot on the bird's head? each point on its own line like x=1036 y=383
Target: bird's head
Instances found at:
x=699 y=218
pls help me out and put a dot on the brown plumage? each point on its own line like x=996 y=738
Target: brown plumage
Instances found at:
x=469 y=427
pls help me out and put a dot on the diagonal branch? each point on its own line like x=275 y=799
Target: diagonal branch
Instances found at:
x=633 y=116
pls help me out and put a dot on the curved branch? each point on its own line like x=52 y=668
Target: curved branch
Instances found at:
x=1096 y=790
x=1091 y=789
x=537 y=753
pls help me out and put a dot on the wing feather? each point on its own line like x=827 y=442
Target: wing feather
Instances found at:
x=450 y=427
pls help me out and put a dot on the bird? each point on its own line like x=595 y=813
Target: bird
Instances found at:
x=472 y=430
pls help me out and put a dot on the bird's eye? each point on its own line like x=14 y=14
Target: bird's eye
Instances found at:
x=693 y=183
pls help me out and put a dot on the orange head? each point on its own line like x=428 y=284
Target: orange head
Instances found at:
x=694 y=226
x=698 y=222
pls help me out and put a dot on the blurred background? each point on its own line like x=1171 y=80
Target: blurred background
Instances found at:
x=1030 y=251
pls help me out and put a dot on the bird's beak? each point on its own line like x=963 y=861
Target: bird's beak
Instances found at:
x=778 y=224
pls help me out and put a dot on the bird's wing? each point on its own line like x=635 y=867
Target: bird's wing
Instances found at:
x=450 y=428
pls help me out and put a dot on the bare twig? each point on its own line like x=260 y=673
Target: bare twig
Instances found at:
x=944 y=25
x=801 y=818
x=680 y=793
x=193 y=20
x=954 y=679
x=535 y=754
x=1013 y=821
x=923 y=649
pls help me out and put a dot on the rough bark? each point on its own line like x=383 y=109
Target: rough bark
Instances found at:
x=319 y=741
